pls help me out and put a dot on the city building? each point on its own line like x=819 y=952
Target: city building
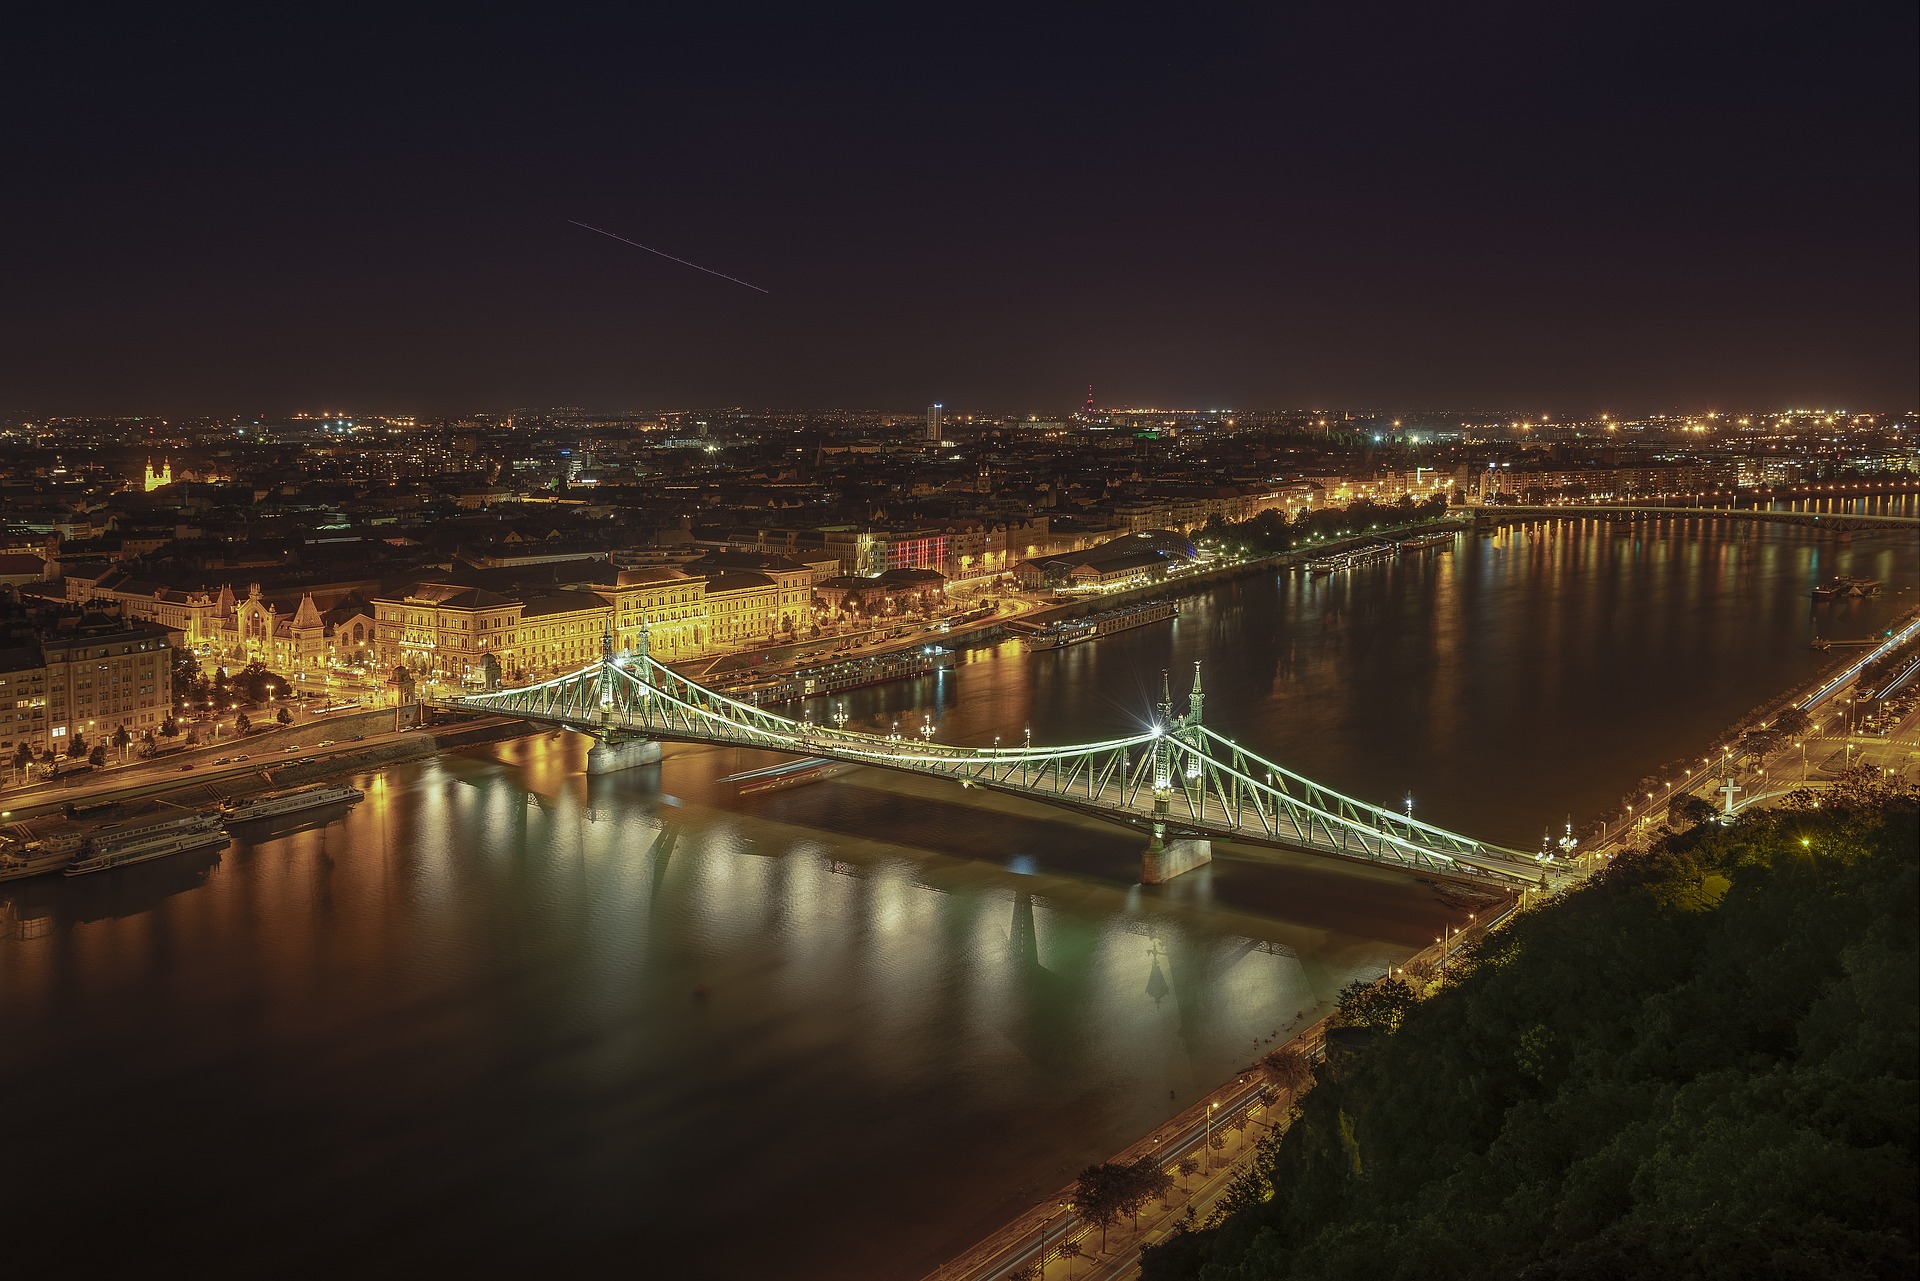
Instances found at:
x=101 y=676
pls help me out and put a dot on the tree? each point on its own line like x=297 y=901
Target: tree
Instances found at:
x=1738 y=1094
x=256 y=683
x=1381 y=1004
x=1289 y=1069
x=1188 y=1167
x=98 y=756
x=189 y=682
x=77 y=746
x=283 y=716
x=169 y=728
x=1096 y=1197
x=1792 y=723
x=1692 y=810
x=193 y=738
x=22 y=756
x=241 y=725
x=1070 y=1250
x=1147 y=1179
x=120 y=738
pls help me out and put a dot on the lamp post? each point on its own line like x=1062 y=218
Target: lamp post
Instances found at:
x=1045 y=1228
x=1211 y=1109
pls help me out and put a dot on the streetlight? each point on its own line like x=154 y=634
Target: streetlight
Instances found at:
x=1045 y=1228
x=1211 y=1109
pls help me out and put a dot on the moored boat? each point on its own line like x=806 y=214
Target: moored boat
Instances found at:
x=1073 y=631
x=118 y=846
x=38 y=858
x=272 y=804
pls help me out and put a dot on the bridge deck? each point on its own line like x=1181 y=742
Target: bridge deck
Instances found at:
x=1180 y=779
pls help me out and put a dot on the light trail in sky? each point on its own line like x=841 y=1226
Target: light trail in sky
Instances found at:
x=669 y=257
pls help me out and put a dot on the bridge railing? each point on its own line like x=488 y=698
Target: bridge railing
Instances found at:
x=1224 y=789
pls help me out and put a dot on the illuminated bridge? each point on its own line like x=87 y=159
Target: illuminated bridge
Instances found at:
x=1181 y=782
x=1846 y=523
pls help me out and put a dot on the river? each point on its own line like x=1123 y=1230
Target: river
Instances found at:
x=498 y=1016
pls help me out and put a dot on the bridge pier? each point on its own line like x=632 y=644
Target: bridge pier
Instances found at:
x=610 y=754
x=1162 y=860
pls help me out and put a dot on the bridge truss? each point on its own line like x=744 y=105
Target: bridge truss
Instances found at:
x=1179 y=778
x=1836 y=522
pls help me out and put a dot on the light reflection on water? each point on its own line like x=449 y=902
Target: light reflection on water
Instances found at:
x=500 y=1014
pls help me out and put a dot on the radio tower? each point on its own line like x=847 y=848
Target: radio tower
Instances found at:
x=1087 y=409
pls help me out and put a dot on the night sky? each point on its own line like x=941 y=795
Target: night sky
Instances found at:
x=1617 y=209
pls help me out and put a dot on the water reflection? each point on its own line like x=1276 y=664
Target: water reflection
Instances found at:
x=502 y=1015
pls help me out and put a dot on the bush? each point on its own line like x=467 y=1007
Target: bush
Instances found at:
x=1703 y=1063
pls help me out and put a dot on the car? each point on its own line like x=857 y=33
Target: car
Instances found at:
x=355 y=738
x=326 y=742
x=304 y=760
x=243 y=756
x=224 y=760
x=184 y=768
x=291 y=747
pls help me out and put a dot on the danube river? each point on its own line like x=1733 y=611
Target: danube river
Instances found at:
x=500 y=1017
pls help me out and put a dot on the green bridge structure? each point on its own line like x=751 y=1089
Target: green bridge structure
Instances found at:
x=1845 y=524
x=1180 y=782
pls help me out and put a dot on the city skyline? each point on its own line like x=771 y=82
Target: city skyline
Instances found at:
x=1582 y=212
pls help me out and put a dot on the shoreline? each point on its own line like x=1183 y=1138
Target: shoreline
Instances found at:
x=1017 y=1242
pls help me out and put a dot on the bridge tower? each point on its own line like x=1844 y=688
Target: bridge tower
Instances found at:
x=1163 y=860
x=616 y=748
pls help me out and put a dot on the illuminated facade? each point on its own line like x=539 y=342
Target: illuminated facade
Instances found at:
x=86 y=686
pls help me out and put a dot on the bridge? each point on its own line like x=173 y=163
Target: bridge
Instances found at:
x=1844 y=523
x=1179 y=781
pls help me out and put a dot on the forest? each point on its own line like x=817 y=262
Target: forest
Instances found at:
x=1700 y=1064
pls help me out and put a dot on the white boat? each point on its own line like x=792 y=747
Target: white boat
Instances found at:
x=117 y=846
x=38 y=858
x=273 y=804
x=1094 y=626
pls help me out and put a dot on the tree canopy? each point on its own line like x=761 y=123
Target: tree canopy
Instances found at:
x=1702 y=1064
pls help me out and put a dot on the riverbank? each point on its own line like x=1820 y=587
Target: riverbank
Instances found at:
x=1253 y=1097
x=39 y=817
x=1631 y=822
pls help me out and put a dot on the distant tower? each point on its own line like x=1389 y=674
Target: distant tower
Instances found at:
x=933 y=424
x=159 y=479
x=1087 y=408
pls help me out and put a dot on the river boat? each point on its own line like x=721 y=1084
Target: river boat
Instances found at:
x=1427 y=540
x=119 y=846
x=1840 y=585
x=273 y=804
x=849 y=673
x=775 y=778
x=21 y=859
x=1074 y=631
x=1359 y=556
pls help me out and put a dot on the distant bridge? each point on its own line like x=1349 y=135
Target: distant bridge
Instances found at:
x=1839 y=522
x=1179 y=781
